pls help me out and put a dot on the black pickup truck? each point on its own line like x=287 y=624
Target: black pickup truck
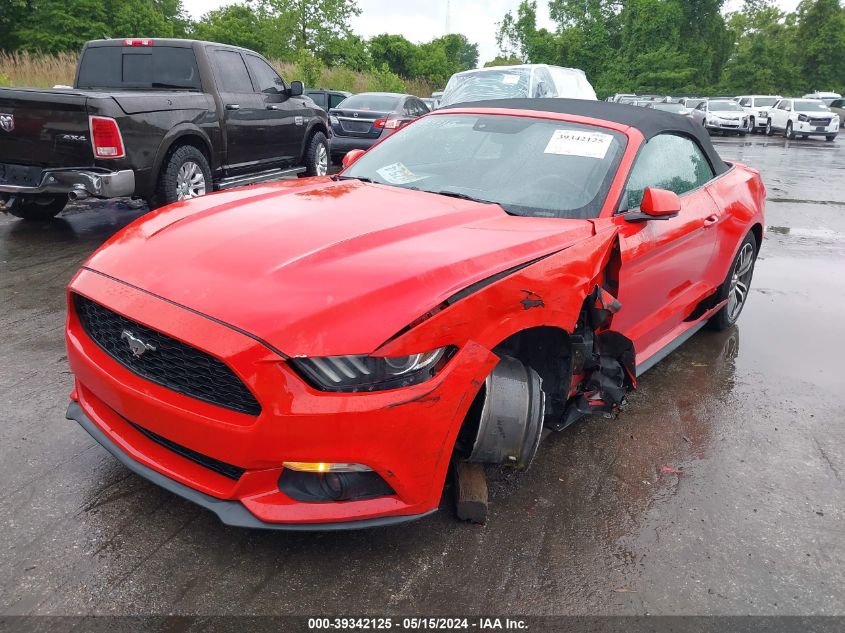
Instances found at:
x=158 y=119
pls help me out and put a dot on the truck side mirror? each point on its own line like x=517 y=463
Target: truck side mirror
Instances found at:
x=296 y=89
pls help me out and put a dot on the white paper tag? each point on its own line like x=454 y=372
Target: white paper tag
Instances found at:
x=398 y=174
x=510 y=80
x=577 y=143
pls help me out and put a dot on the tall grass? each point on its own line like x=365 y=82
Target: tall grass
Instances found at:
x=44 y=71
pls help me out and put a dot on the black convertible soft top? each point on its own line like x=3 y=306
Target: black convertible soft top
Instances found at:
x=648 y=121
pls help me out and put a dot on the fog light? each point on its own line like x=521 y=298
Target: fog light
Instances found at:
x=326 y=467
x=321 y=486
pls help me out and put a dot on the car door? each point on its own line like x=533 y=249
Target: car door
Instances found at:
x=243 y=110
x=284 y=116
x=666 y=264
x=780 y=114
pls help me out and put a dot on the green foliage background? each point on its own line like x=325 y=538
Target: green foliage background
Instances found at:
x=660 y=46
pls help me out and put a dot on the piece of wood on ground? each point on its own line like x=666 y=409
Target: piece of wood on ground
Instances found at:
x=470 y=492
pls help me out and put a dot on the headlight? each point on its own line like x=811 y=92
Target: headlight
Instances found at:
x=803 y=117
x=763 y=113
x=334 y=120
x=371 y=373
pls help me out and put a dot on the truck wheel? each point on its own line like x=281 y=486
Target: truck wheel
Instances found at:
x=317 y=155
x=184 y=175
x=789 y=133
x=41 y=207
x=830 y=137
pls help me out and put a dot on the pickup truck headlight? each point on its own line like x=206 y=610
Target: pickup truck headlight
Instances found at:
x=371 y=373
x=803 y=118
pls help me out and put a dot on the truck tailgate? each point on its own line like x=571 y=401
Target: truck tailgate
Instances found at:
x=48 y=127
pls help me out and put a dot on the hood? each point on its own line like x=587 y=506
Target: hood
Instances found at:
x=317 y=267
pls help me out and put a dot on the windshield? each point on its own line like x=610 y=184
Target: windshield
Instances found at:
x=810 y=106
x=669 y=107
x=765 y=101
x=725 y=106
x=375 y=102
x=532 y=167
x=481 y=85
x=139 y=68
x=693 y=103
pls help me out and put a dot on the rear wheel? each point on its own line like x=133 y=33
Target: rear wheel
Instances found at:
x=184 y=175
x=317 y=155
x=42 y=207
x=736 y=286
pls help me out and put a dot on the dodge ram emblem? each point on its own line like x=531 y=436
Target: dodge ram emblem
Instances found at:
x=7 y=122
x=136 y=345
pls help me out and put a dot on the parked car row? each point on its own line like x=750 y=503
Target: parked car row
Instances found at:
x=819 y=114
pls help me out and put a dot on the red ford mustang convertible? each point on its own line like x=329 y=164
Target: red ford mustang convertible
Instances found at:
x=312 y=354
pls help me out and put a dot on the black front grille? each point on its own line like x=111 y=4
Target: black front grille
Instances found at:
x=166 y=361
x=824 y=122
x=222 y=468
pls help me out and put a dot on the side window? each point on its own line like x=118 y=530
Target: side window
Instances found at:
x=667 y=161
x=419 y=107
x=231 y=72
x=267 y=80
x=319 y=98
x=335 y=100
x=408 y=108
x=745 y=102
x=544 y=85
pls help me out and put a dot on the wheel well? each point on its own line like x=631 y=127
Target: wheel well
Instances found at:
x=547 y=350
x=317 y=127
x=188 y=139
x=757 y=230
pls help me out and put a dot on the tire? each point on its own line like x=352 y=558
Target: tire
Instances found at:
x=743 y=133
x=805 y=136
x=185 y=174
x=789 y=133
x=830 y=137
x=41 y=207
x=316 y=159
x=752 y=125
x=769 y=129
x=729 y=314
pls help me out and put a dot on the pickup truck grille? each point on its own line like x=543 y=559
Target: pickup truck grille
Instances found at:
x=167 y=362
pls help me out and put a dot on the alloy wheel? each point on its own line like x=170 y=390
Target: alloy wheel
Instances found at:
x=740 y=281
x=322 y=160
x=190 y=181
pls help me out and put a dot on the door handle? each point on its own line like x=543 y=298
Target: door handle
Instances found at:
x=233 y=106
x=273 y=107
x=710 y=220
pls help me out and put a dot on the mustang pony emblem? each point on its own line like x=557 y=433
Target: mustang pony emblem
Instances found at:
x=7 y=122
x=136 y=345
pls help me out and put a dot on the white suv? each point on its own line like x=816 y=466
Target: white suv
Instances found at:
x=803 y=117
x=757 y=108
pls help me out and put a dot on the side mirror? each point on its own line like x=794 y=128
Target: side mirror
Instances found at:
x=657 y=204
x=295 y=89
x=351 y=156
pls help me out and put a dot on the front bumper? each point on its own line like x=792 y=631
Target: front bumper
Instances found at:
x=92 y=181
x=229 y=512
x=723 y=126
x=405 y=435
x=803 y=127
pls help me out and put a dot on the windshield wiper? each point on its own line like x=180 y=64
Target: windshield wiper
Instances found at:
x=361 y=178
x=462 y=196
x=158 y=84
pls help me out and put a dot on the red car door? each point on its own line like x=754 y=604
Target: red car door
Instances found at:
x=665 y=263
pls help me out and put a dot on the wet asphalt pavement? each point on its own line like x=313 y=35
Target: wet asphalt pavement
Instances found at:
x=720 y=490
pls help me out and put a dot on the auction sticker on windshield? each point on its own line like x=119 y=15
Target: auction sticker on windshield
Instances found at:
x=577 y=143
x=510 y=80
x=398 y=174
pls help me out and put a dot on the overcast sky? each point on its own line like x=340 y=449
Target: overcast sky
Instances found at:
x=423 y=21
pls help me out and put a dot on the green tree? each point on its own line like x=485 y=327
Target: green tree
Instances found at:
x=821 y=50
x=316 y=24
x=238 y=25
x=395 y=52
